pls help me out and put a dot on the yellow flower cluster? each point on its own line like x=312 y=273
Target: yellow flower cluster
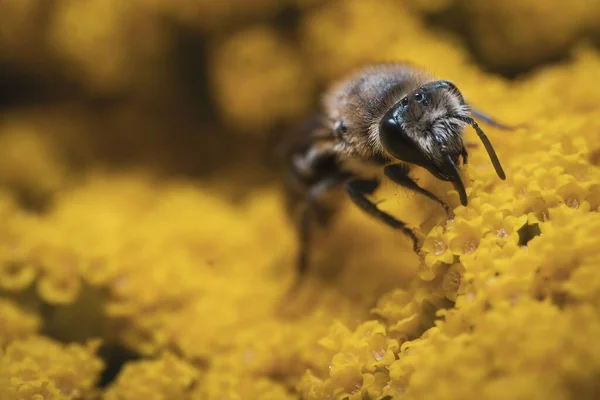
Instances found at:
x=504 y=300
x=505 y=286
x=40 y=368
x=253 y=56
x=15 y=322
x=170 y=276
x=166 y=377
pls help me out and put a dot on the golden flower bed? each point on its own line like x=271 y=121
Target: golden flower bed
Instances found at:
x=504 y=302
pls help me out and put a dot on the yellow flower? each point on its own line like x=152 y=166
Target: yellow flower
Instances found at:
x=544 y=183
x=465 y=236
x=314 y=388
x=16 y=322
x=375 y=383
x=167 y=376
x=241 y=65
x=59 y=289
x=504 y=227
x=436 y=248
x=346 y=378
x=38 y=366
x=405 y=312
x=574 y=194
x=16 y=275
x=452 y=281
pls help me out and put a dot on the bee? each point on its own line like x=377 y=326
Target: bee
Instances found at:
x=375 y=124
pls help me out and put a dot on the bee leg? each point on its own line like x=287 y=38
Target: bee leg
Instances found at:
x=306 y=216
x=398 y=173
x=357 y=189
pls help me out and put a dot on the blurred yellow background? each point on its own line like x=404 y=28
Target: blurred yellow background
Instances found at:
x=144 y=248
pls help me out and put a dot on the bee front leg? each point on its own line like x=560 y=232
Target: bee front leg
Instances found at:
x=357 y=189
x=398 y=173
x=464 y=154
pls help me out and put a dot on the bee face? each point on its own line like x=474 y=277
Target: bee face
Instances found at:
x=425 y=128
x=429 y=118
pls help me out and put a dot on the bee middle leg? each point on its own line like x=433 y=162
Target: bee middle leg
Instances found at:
x=358 y=189
x=308 y=212
x=398 y=173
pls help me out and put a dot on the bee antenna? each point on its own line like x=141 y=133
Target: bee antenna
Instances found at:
x=486 y=143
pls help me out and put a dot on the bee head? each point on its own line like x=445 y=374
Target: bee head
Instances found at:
x=426 y=128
